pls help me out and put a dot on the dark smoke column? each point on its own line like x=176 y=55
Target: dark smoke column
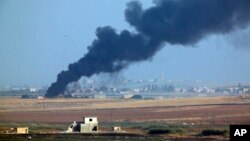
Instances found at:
x=173 y=21
x=110 y=52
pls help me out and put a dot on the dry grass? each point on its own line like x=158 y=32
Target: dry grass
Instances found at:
x=15 y=104
x=199 y=110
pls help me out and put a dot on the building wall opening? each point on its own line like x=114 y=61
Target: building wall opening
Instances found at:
x=94 y=129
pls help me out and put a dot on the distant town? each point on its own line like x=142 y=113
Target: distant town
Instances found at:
x=130 y=89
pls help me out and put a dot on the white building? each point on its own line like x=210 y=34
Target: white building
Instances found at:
x=89 y=124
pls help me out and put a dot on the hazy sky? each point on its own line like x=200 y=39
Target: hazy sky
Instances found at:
x=40 y=38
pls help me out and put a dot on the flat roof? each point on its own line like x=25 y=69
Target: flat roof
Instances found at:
x=89 y=117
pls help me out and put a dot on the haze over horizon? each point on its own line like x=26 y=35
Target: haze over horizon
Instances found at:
x=38 y=39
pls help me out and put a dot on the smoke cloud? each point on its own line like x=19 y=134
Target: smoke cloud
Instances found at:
x=168 y=21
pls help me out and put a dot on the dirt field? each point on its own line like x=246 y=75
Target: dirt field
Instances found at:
x=17 y=104
x=209 y=110
x=80 y=137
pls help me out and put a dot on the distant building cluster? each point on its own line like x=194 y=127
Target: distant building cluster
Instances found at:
x=23 y=91
x=138 y=89
x=129 y=89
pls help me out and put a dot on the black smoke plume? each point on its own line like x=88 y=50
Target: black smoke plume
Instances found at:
x=173 y=21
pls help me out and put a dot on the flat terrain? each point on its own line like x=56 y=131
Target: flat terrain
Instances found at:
x=200 y=110
x=80 y=137
x=186 y=118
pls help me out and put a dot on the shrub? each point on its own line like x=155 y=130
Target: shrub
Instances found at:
x=209 y=132
x=137 y=96
x=25 y=96
x=160 y=131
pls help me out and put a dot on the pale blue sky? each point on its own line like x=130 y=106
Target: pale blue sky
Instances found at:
x=40 y=38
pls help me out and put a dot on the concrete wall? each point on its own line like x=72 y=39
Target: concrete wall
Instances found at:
x=89 y=127
x=90 y=124
x=22 y=130
x=117 y=129
x=90 y=120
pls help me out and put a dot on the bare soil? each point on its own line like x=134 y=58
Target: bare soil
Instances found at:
x=212 y=110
